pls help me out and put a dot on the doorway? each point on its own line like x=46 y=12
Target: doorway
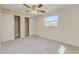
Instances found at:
x=26 y=26
x=17 y=26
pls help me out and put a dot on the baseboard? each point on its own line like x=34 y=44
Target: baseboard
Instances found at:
x=62 y=41
x=70 y=43
x=16 y=38
x=6 y=40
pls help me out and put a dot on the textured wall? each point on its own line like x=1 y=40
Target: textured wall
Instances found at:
x=67 y=30
x=7 y=18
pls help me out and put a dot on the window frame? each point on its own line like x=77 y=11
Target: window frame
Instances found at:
x=57 y=21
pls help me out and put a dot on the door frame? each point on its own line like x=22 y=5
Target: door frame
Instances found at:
x=19 y=27
x=28 y=26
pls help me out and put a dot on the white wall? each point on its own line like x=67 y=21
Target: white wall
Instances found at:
x=7 y=18
x=67 y=30
x=0 y=29
x=31 y=27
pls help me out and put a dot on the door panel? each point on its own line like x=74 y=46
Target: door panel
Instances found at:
x=7 y=27
x=17 y=26
x=27 y=26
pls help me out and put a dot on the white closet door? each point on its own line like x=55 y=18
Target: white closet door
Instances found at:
x=7 y=27
x=27 y=27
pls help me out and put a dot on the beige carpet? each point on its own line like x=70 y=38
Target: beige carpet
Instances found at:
x=36 y=45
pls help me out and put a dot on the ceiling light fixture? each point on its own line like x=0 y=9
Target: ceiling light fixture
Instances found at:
x=34 y=12
x=35 y=8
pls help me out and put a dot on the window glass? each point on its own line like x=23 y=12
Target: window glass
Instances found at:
x=51 y=21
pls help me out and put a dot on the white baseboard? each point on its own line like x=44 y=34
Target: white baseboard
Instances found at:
x=62 y=41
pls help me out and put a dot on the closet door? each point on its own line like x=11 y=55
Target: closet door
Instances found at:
x=7 y=22
x=26 y=26
x=17 y=26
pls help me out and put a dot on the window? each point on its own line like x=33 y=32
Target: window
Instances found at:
x=51 y=21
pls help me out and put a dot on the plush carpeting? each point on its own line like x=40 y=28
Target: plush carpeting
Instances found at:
x=36 y=45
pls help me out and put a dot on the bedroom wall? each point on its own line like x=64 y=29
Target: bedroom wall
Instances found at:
x=0 y=29
x=68 y=26
x=31 y=27
x=8 y=25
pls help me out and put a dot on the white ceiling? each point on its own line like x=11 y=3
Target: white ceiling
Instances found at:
x=47 y=7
